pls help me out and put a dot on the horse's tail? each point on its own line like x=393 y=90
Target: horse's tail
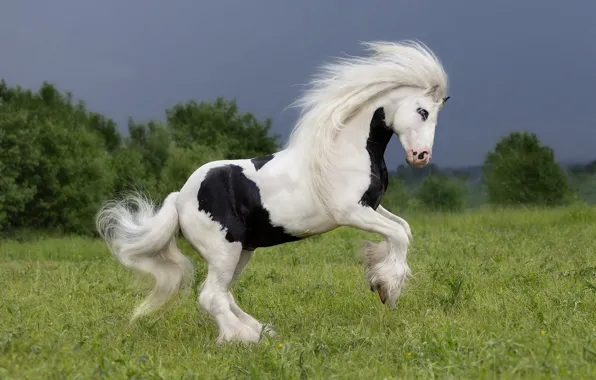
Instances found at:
x=145 y=240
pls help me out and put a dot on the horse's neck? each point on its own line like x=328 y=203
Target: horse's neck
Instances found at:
x=367 y=132
x=379 y=135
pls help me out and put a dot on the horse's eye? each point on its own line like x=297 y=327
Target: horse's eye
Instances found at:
x=423 y=113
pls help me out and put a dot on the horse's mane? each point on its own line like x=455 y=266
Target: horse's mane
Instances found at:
x=341 y=88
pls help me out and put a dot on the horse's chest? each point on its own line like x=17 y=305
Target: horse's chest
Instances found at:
x=378 y=138
x=379 y=181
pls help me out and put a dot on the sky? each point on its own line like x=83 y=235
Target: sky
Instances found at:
x=512 y=64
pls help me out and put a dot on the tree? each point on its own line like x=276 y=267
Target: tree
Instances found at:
x=181 y=163
x=522 y=171
x=106 y=128
x=131 y=172
x=220 y=124
x=153 y=141
x=396 y=198
x=59 y=161
x=441 y=193
x=19 y=161
x=583 y=169
x=52 y=161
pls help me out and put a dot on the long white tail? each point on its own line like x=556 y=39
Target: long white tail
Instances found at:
x=145 y=240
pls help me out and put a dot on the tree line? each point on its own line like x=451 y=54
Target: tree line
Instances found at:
x=59 y=161
x=519 y=171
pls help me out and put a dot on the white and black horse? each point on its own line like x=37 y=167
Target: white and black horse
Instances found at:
x=331 y=173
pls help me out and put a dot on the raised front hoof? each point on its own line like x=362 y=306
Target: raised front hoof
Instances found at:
x=387 y=297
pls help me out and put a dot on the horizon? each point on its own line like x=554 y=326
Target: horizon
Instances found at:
x=536 y=74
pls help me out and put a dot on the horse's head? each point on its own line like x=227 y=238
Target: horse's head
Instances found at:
x=414 y=120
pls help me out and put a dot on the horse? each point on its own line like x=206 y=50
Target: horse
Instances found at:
x=330 y=173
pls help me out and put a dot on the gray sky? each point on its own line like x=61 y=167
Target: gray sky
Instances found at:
x=512 y=64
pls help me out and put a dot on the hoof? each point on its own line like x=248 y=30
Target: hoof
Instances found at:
x=383 y=293
x=239 y=335
x=268 y=331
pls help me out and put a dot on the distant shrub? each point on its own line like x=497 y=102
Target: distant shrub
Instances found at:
x=53 y=160
x=441 y=193
x=181 y=163
x=522 y=171
x=59 y=161
x=397 y=198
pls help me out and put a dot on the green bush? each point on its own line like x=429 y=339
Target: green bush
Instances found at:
x=53 y=161
x=59 y=161
x=521 y=171
x=441 y=193
x=396 y=198
x=181 y=163
x=220 y=124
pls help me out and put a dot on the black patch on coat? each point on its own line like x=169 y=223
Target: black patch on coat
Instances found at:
x=234 y=201
x=259 y=162
x=378 y=138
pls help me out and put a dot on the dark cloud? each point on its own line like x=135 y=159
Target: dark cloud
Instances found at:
x=512 y=64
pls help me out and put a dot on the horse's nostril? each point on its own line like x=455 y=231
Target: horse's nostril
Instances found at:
x=421 y=155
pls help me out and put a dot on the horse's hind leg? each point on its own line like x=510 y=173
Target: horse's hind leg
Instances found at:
x=214 y=297
x=238 y=312
x=222 y=258
x=245 y=257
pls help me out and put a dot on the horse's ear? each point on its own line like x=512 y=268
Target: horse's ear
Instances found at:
x=432 y=90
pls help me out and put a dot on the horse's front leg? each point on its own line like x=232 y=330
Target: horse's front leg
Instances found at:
x=386 y=266
x=388 y=214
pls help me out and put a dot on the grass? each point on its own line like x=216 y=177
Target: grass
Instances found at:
x=502 y=294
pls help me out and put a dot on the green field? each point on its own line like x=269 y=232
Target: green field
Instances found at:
x=504 y=294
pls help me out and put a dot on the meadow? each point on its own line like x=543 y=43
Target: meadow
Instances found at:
x=495 y=294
